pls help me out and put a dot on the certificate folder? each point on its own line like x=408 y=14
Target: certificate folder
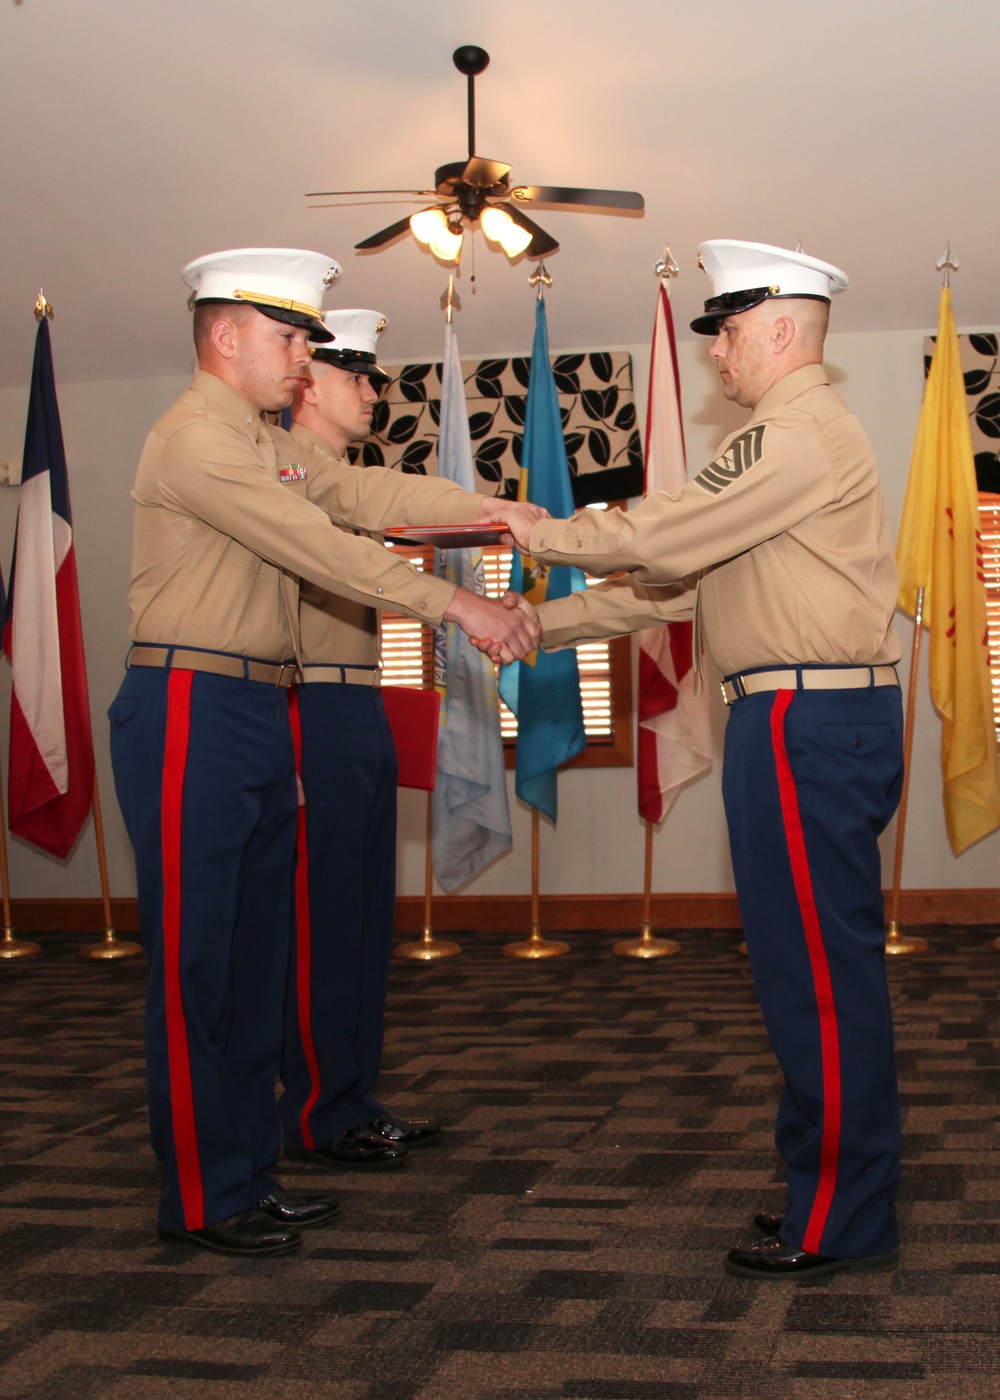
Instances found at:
x=446 y=536
x=413 y=717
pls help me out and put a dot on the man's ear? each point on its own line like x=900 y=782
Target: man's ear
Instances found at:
x=224 y=338
x=306 y=390
x=783 y=333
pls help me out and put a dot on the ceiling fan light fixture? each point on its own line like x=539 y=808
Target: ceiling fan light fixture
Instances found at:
x=500 y=228
x=447 y=245
x=427 y=224
x=495 y=223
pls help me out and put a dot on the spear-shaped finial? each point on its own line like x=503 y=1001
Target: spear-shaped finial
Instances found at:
x=43 y=307
x=540 y=279
x=450 y=300
x=666 y=266
x=946 y=263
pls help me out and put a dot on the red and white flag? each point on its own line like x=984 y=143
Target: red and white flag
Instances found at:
x=51 y=773
x=675 y=743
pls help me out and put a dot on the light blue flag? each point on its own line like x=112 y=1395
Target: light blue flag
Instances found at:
x=471 y=821
x=544 y=697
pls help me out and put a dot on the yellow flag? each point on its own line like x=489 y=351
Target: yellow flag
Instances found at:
x=939 y=550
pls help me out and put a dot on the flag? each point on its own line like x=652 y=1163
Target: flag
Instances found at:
x=675 y=741
x=471 y=815
x=545 y=696
x=51 y=769
x=939 y=550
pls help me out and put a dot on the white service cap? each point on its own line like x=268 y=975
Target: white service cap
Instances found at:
x=287 y=284
x=745 y=274
x=354 y=343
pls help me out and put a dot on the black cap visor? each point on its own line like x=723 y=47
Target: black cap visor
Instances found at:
x=356 y=361
x=732 y=303
x=317 y=330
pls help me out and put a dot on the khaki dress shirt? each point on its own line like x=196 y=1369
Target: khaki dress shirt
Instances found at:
x=781 y=546
x=339 y=631
x=223 y=529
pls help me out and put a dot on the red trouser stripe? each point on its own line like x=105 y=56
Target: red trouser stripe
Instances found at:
x=828 y=1034
x=185 y=1131
x=303 y=938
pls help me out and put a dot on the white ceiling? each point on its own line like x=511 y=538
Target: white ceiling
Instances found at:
x=137 y=136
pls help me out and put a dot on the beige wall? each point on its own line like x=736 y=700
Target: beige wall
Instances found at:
x=597 y=846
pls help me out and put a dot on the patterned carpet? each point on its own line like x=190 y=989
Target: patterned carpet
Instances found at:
x=608 y=1137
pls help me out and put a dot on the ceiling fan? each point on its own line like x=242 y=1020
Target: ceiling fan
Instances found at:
x=479 y=191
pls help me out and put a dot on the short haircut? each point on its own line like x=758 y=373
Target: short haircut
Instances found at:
x=207 y=313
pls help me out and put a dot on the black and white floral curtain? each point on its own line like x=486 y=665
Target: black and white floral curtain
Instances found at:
x=595 y=399
x=979 y=356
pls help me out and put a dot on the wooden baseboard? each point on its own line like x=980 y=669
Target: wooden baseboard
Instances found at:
x=512 y=913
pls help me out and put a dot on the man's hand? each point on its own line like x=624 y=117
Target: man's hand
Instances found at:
x=495 y=650
x=505 y=631
x=518 y=516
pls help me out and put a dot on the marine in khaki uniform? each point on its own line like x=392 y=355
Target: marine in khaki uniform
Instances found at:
x=200 y=735
x=345 y=890
x=781 y=552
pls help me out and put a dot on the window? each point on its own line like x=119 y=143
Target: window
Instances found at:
x=605 y=672
x=989 y=532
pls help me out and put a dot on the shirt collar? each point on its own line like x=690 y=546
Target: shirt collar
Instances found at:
x=228 y=403
x=790 y=387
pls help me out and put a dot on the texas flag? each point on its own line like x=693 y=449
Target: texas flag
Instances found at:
x=51 y=769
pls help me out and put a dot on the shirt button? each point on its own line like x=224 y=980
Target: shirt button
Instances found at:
x=379 y=591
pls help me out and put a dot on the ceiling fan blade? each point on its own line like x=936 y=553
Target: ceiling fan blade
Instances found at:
x=577 y=198
x=328 y=194
x=481 y=171
x=542 y=243
x=384 y=236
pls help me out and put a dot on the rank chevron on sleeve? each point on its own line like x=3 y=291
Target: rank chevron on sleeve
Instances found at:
x=739 y=456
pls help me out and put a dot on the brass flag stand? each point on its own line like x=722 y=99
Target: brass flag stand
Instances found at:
x=10 y=947
x=428 y=949
x=535 y=945
x=646 y=946
x=112 y=947
x=895 y=941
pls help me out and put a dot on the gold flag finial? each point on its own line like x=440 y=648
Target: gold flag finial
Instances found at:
x=43 y=307
x=946 y=264
x=666 y=266
x=540 y=279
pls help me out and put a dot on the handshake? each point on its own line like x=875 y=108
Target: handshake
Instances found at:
x=504 y=629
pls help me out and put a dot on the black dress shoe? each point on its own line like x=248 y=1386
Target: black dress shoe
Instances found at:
x=766 y=1224
x=298 y=1211
x=772 y=1258
x=248 y=1233
x=406 y=1132
x=358 y=1147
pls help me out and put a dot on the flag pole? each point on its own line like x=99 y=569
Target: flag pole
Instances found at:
x=111 y=947
x=428 y=948
x=646 y=945
x=895 y=941
x=535 y=945
x=10 y=947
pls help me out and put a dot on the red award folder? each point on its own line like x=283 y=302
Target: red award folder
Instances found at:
x=413 y=717
x=446 y=536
